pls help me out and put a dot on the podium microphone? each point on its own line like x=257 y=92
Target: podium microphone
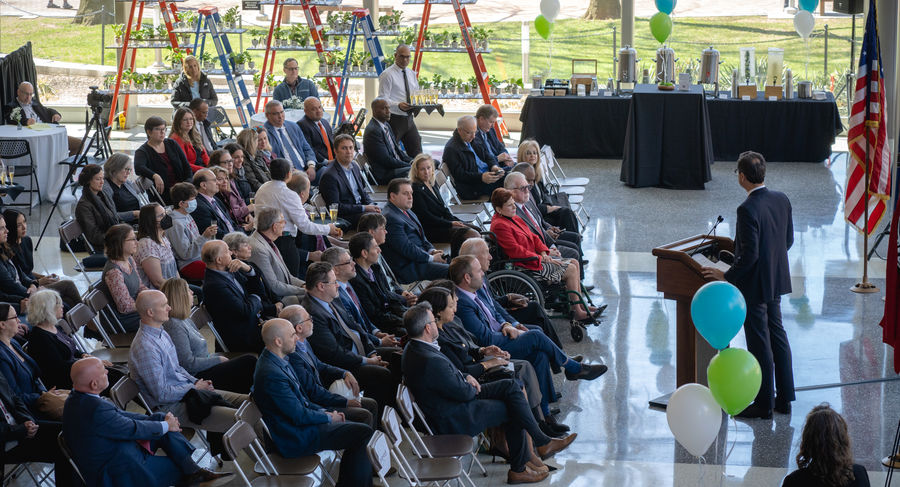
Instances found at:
x=719 y=220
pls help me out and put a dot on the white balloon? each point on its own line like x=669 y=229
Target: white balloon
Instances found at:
x=550 y=9
x=694 y=417
x=804 y=23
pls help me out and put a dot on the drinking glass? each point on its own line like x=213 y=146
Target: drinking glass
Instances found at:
x=333 y=211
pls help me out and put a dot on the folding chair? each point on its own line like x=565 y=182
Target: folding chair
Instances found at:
x=99 y=302
x=484 y=201
x=416 y=470
x=64 y=448
x=200 y=317
x=69 y=231
x=11 y=149
x=80 y=315
x=551 y=166
x=218 y=119
x=242 y=437
x=149 y=190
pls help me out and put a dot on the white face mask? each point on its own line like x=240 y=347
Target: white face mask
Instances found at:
x=191 y=206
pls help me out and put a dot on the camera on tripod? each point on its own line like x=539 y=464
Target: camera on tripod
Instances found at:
x=97 y=100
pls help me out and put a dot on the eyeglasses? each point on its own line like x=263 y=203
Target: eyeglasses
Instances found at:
x=305 y=321
x=12 y=318
x=159 y=129
x=344 y=263
x=527 y=187
x=295 y=68
x=132 y=239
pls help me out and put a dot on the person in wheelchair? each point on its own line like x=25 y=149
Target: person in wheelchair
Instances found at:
x=529 y=252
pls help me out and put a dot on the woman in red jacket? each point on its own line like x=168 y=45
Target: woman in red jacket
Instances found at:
x=189 y=139
x=519 y=242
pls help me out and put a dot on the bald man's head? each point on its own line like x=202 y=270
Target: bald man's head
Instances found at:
x=153 y=307
x=89 y=376
x=278 y=335
x=299 y=319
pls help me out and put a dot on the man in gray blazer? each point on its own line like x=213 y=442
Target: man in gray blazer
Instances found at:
x=269 y=226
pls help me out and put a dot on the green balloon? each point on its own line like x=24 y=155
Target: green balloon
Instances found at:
x=543 y=26
x=734 y=378
x=660 y=26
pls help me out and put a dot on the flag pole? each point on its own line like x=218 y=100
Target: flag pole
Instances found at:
x=865 y=286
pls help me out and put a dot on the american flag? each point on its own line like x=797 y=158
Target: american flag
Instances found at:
x=867 y=122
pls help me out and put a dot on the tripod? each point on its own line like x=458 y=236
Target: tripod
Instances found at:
x=95 y=135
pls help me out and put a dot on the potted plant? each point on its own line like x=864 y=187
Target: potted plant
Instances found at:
x=138 y=36
x=452 y=84
x=322 y=83
x=207 y=60
x=514 y=85
x=257 y=36
x=336 y=41
x=231 y=17
x=454 y=40
x=425 y=83
x=237 y=60
x=271 y=82
x=436 y=81
x=189 y=18
x=386 y=22
x=473 y=85
x=395 y=19
x=331 y=60
x=428 y=39
x=407 y=36
x=346 y=21
x=299 y=35
x=171 y=79
x=159 y=82
x=281 y=36
x=176 y=57
x=248 y=60
x=494 y=83
x=480 y=36
x=444 y=39
x=370 y=64
x=162 y=33
x=119 y=33
x=388 y=60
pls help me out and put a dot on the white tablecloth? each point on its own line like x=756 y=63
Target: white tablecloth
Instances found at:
x=259 y=119
x=48 y=147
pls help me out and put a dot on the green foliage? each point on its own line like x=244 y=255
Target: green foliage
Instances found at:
x=232 y=15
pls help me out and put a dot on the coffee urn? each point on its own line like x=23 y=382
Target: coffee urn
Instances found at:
x=709 y=69
x=627 y=76
x=665 y=65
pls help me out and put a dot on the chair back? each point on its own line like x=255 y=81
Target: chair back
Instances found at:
x=379 y=454
x=14 y=149
x=250 y=414
x=318 y=201
x=200 y=316
x=405 y=404
x=80 y=315
x=241 y=437
x=390 y=424
x=99 y=302
x=125 y=391
x=69 y=230
x=64 y=448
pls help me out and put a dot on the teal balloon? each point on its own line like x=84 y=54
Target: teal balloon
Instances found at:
x=666 y=6
x=809 y=5
x=661 y=26
x=734 y=378
x=543 y=26
x=718 y=310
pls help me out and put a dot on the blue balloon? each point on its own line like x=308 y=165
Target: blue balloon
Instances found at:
x=666 y=6
x=809 y=5
x=718 y=310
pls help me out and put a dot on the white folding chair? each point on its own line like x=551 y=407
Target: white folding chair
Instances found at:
x=241 y=437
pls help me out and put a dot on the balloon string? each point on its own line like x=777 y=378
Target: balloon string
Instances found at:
x=733 y=442
x=806 y=68
x=701 y=461
x=550 y=55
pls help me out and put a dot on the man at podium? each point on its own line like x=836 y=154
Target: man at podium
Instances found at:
x=764 y=234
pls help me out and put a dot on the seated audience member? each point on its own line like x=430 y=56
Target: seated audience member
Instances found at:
x=23 y=257
x=229 y=199
x=161 y=159
x=487 y=364
x=338 y=340
x=121 y=279
x=200 y=109
x=108 y=444
x=383 y=306
x=473 y=176
x=454 y=404
x=826 y=456
x=269 y=226
x=293 y=85
x=210 y=211
x=342 y=184
x=233 y=307
x=189 y=139
x=28 y=439
x=288 y=141
x=298 y=426
x=344 y=271
x=154 y=256
x=407 y=250
x=387 y=160
x=33 y=112
x=486 y=141
x=239 y=245
x=127 y=199
x=184 y=237
x=153 y=364
x=239 y=172
x=276 y=194
x=21 y=372
x=317 y=131
x=568 y=243
x=436 y=218
x=458 y=236
x=311 y=243
x=304 y=362
x=95 y=212
x=518 y=306
x=256 y=164
x=14 y=285
x=375 y=224
x=192 y=350
x=52 y=349
x=549 y=203
x=519 y=242
x=191 y=84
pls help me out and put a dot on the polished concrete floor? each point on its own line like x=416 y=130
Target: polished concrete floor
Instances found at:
x=834 y=333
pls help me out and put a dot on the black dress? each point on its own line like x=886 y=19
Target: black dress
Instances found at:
x=436 y=218
x=54 y=354
x=802 y=478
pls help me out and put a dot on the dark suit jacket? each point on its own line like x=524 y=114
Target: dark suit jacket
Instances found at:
x=306 y=364
x=44 y=113
x=23 y=377
x=147 y=162
x=314 y=139
x=464 y=169
x=765 y=232
x=19 y=411
x=476 y=322
x=182 y=96
x=378 y=151
x=290 y=416
x=335 y=188
x=460 y=348
x=204 y=216
x=405 y=248
x=54 y=357
x=330 y=342
x=491 y=148
x=103 y=441
x=297 y=138
x=383 y=306
x=432 y=212
x=9 y=285
x=235 y=311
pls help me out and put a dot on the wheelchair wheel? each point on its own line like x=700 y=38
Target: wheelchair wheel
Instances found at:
x=506 y=281
x=577 y=332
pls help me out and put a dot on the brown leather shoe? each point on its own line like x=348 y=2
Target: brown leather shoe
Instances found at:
x=537 y=465
x=527 y=476
x=556 y=445
x=203 y=475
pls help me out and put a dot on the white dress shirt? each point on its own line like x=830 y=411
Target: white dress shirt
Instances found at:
x=277 y=195
x=391 y=87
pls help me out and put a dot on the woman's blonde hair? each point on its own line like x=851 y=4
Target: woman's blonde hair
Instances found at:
x=520 y=156
x=193 y=135
x=414 y=167
x=186 y=60
x=249 y=141
x=178 y=294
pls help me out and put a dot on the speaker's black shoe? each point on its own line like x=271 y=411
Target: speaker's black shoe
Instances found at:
x=755 y=412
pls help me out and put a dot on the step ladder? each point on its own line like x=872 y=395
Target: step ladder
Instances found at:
x=361 y=18
x=209 y=16
x=481 y=74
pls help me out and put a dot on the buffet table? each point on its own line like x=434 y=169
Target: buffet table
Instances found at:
x=594 y=126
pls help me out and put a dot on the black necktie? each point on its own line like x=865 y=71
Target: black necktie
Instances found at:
x=406 y=86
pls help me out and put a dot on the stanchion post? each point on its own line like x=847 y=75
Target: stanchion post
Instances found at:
x=825 y=63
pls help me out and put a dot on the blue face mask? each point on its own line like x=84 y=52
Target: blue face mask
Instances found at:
x=192 y=205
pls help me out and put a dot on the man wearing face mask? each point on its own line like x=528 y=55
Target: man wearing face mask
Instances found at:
x=184 y=236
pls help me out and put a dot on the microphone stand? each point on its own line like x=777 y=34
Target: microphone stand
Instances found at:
x=719 y=220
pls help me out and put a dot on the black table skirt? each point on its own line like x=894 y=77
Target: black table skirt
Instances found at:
x=594 y=127
x=667 y=139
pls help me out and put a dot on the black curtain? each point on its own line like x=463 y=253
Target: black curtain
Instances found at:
x=16 y=67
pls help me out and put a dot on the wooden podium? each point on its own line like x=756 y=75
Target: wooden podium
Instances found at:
x=678 y=276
